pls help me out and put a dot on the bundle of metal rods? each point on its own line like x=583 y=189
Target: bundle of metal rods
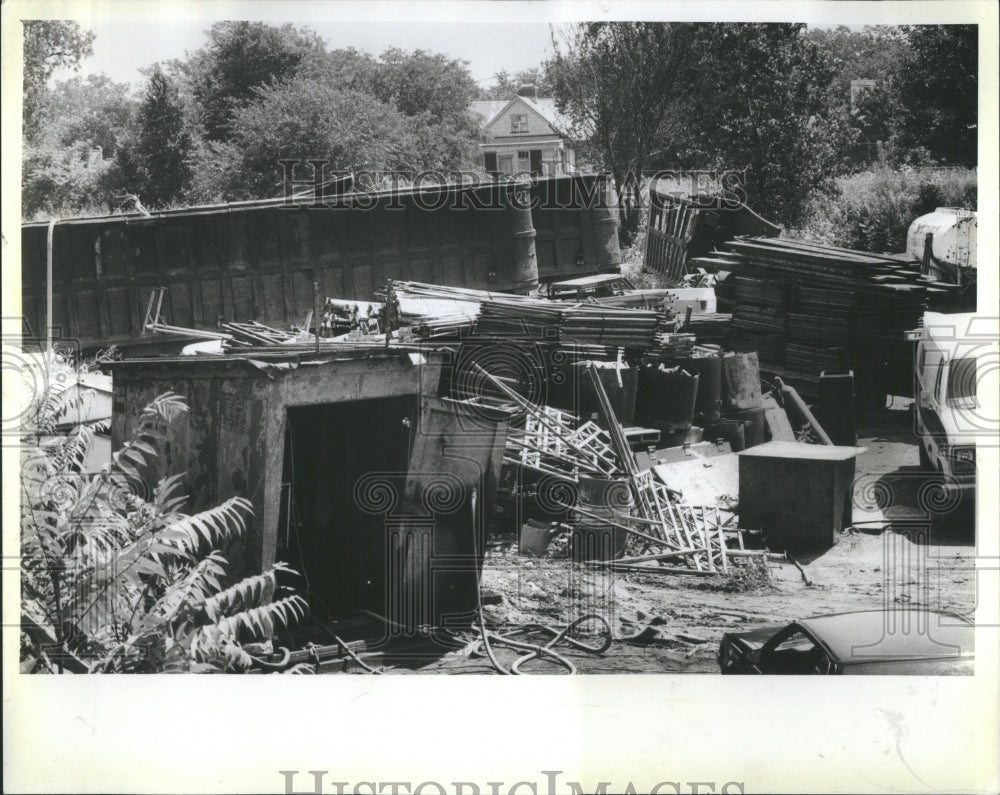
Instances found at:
x=254 y=334
x=575 y=322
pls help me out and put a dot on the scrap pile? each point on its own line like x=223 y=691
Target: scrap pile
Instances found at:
x=806 y=308
x=570 y=322
x=691 y=538
x=549 y=443
x=666 y=535
x=254 y=334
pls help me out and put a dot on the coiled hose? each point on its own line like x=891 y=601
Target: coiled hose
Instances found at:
x=535 y=651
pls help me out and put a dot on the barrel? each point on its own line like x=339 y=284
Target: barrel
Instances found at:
x=666 y=398
x=606 y=500
x=523 y=259
x=708 y=401
x=741 y=381
x=754 y=425
x=732 y=431
x=621 y=396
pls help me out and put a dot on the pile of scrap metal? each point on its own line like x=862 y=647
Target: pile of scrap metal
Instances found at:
x=660 y=533
x=806 y=308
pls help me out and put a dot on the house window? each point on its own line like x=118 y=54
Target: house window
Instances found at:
x=523 y=154
x=519 y=123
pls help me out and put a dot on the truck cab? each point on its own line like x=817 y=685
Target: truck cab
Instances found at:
x=948 y=416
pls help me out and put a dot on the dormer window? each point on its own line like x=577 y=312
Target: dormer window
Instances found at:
x=519 y=122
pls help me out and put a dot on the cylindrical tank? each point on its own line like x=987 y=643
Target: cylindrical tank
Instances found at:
x=524 y=275
x=741 y=381
x=594 y=539
x=607 y=251
x=754 y=426
x=954 y=232
x=732 y=431
x=708 y=401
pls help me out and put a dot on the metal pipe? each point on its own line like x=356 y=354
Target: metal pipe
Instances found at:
x=48 y=283
x=800 y=404
x=316 y=312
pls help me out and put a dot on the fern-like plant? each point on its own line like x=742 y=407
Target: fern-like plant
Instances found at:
x=114 y=576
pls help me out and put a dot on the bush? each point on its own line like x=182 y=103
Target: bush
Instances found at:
x=874 y=209
x=114 y=577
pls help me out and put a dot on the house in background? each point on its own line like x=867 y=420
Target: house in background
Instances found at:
x=525 y=134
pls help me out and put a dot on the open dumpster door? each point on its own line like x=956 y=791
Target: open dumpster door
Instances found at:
x=435 y=549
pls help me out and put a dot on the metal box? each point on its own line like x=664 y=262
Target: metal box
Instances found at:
x=799 y=495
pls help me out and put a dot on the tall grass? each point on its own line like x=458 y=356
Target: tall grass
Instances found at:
x=874 y=208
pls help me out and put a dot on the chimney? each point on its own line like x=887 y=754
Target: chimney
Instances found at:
x=527 y=90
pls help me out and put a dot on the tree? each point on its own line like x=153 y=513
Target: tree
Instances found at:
x=49 y=45
x=158 y=157
x=95 y=110
x=616 y=81
x=758 y=101
x=308 y=119
x=72 y=163
x=421 y=82
x=505 y=85
x=938 y=85
x=874 y=53
x=239 y=58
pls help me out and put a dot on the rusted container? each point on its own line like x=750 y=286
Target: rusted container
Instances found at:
x=259 y=260
x=576 y=226
x=607 y=500
x=666 y=398
x=708 y=402
x=619 y=383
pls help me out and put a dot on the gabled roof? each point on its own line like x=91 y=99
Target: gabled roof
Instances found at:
x=490 y=109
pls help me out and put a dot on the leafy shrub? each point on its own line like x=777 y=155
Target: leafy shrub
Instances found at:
x=874 y=209
x=114 y=576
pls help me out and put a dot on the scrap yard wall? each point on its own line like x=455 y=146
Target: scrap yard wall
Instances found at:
x=259 y=260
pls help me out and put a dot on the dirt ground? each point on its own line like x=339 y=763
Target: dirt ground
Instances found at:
x=889 y=557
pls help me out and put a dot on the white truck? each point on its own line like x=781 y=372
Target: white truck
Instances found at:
x=954 y=353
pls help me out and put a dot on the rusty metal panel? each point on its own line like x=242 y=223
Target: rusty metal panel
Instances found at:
x=451 y=482
x=577 y=229
x=252 y=261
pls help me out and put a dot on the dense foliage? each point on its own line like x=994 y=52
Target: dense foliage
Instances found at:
x=873 y=209
x=214 y=125
x=115 y=577
x=773 y=99
x=789 y=107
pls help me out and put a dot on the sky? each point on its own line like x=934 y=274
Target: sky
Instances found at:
x=122 y=47
x=483 y=34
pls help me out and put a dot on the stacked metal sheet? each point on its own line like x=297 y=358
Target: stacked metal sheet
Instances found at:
x=806 y=307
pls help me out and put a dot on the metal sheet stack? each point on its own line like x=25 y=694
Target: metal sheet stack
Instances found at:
x=807 y=308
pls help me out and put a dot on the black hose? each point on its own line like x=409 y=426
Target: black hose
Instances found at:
x=535 y=651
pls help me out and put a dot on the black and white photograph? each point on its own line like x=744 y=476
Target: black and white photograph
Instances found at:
x=634 y=343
